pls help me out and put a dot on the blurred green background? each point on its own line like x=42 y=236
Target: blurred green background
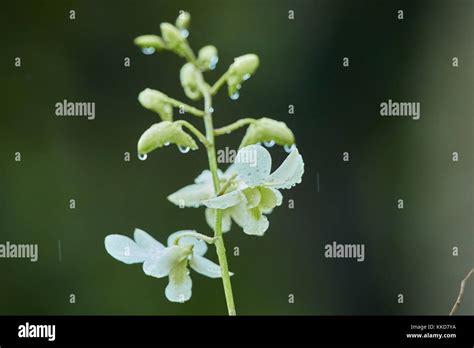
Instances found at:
x=336 y=109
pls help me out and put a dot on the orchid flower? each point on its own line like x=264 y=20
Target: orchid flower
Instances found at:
x=258 y=192
x=159 y=261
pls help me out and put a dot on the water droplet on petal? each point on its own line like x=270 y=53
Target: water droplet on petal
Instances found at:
x=183 y=149
x=142 y=157
x=184 y=33
x=289 y=148
x=246 y=77
x=270 y=143
x=235 y=96
x=167 y=144
x=148 y=50
x=211 y=110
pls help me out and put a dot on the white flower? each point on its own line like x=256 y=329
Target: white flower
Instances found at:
x=254 y=193
x=160 y=261
x=258 y=193
x=203 y=189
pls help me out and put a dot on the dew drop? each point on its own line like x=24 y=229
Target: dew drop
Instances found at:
x=235 y=96
x=270 y=143
x=211 y=110
x=142 y=157
x=148 y=50
x=167 y=144
x=246 y=77
x=289 y=148
x=239 y=86
x=213 y=62
x=184 y=33
x=183 y=149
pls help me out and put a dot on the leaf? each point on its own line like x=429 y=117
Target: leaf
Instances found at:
x=163 y=133
x=267 y=129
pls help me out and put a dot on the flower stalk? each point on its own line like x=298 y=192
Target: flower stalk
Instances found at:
x=211 y=155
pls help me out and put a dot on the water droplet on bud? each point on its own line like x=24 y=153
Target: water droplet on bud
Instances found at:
x=142 y=157
x=148 y=50
x=270 y=143
x=184 y=33
x=183 y=149
x=167 y=144
x=213 y=62
x=235 y=96
x=246 y=77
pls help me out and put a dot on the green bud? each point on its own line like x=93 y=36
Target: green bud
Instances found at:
x=241 y=70
x=188 y=79
x=183 y=20
x=266 y=129
x=175 y=41
x=163 y=133
x=158 y=102
x=207 y=58
x=145 y=41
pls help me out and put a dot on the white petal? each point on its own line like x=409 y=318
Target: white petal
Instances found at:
x=160 y=266
x=206 y=177
x=230 y=171
x=211 y=219
x=199 y=246
x=253 y=164
x=270 y=198
x=205 y=267
x=225 y=201
x=256 y=223
x=289 y=173
x=124 y=249
x=253 y=196
x=180 y=285
x=192 y=195
x=239 y=213
x=147 y=242
x=252 y=221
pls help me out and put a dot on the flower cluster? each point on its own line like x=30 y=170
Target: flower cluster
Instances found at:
x=246 y=193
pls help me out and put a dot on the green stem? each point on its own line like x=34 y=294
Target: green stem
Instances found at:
x=186 y=108
x=195 y=131
x=218 y=84
x=233 y=126
x=211 y=154
x=200 y=236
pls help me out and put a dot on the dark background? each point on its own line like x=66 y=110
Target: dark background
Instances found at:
x=336 y=109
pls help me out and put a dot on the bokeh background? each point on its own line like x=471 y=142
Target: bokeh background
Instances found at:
x=408 y=251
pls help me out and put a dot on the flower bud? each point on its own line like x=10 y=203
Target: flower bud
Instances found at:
x=241 y=70
x=183 y=20
x=162 y=134
x=188 y=79
x=175 y=41
x=158 y=102
x=266 y=129
x=207 y=58
x=145 y=41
